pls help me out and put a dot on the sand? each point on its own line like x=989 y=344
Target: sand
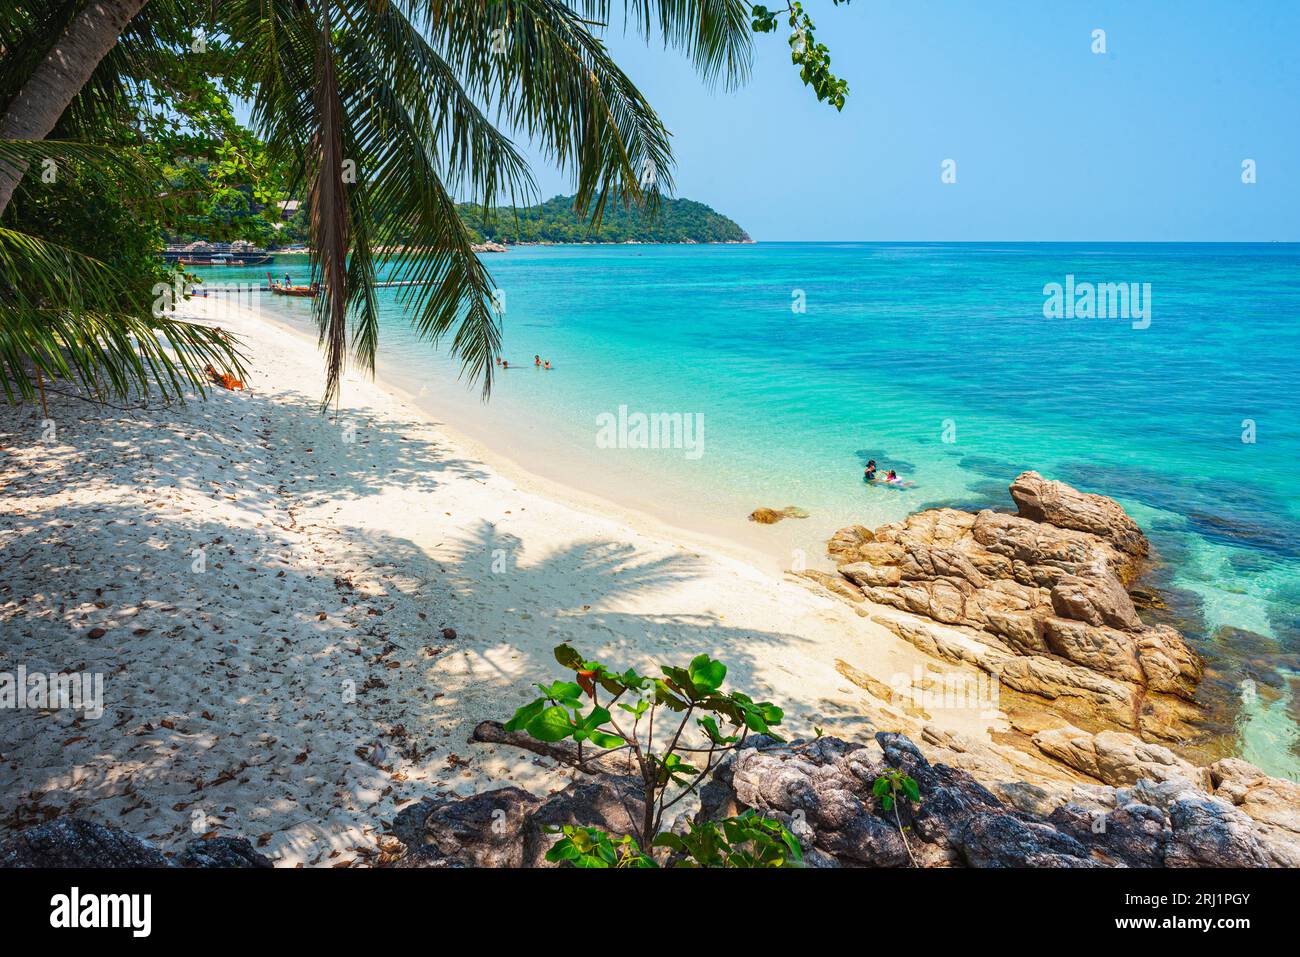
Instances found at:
x=264 y=590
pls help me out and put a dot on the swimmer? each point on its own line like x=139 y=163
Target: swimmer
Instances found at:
x=548 y=364
x=505 y=364
x=537 y=360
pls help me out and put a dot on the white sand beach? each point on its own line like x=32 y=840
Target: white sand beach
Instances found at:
x=265 y=591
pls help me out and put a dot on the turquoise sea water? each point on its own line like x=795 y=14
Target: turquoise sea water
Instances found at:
x=935 y=360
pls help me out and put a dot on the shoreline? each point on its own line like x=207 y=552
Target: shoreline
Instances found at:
x=299 y=620
x=767 y=548
x=295 y=686
x=564 y=492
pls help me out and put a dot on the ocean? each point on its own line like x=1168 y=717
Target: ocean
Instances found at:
x=772 y=372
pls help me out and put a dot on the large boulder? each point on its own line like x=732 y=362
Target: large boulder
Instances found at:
x=1095 y=596
x=484 y=830
x=508 y=827
x=1042 y=500
x=1116 y=758
x=73 y=842
x=1211 y=833
x=822 y=791
x=232 y=852
x=1043 y=596
x=1272 y=803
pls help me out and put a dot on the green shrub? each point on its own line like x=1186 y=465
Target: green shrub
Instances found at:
x=625 y=720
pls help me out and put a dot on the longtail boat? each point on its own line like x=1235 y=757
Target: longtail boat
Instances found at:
x=284 y=289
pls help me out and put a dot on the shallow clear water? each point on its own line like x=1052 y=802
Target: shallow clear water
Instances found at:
x=935 y=360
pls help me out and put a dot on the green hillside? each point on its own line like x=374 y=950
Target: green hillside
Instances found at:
x=554 y=221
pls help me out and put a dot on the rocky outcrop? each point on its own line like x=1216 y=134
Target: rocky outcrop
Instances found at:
x=507 y=827
x=1244 y=798
x=484 y=830
x=222 y=852
x=822 y=791
x=1056 y=503
x=1118 y=759
x=73 y=842
x=1037 y=599
x=1147 y=808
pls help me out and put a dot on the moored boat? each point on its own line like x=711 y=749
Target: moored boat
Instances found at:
x=285 y=289
x=224 y=260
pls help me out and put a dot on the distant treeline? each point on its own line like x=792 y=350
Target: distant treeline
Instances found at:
x=554 y=221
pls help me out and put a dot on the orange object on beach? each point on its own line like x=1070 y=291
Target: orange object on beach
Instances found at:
x=224 y=379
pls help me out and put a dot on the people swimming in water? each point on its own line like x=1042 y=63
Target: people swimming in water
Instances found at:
x=537 y=360
x=547 y=365
x=873 y=474
x=505 y=364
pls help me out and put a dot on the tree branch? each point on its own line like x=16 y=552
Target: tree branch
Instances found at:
x=494 y=732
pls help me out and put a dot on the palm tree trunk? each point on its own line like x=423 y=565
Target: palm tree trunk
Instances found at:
x=60 y=76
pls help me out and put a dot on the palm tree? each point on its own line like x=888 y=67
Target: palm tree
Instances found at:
x=389 y=111
x=64 y=314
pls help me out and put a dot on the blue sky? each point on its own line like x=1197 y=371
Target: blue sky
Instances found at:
x=1052 y=142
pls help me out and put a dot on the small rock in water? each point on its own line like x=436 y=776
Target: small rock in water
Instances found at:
x=770 y=516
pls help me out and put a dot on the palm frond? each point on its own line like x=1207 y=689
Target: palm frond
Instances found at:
x=404 y=89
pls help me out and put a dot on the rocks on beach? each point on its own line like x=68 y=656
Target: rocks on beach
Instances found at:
x=1038 y=600
x=74 y=842
x=770 y=516
x=1229 y=816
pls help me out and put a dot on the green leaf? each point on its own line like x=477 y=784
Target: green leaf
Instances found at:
x=595 y=719
x=638 y=709
x=706 y=674
x=665 y=697
x=679 y=679
x=568 y=692
x=568 y=657
x=525 y=714
x=602 y=739
x=552 y=724
x=710 y=726
x=911 y=789
x=669 y=840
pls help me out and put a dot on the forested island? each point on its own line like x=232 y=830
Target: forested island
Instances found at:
x=555 y=221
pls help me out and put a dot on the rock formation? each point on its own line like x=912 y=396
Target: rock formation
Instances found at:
x=823 y=792
x=1146 y=808
x=73 y=842
x=1037 y=599
x=506 y=827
